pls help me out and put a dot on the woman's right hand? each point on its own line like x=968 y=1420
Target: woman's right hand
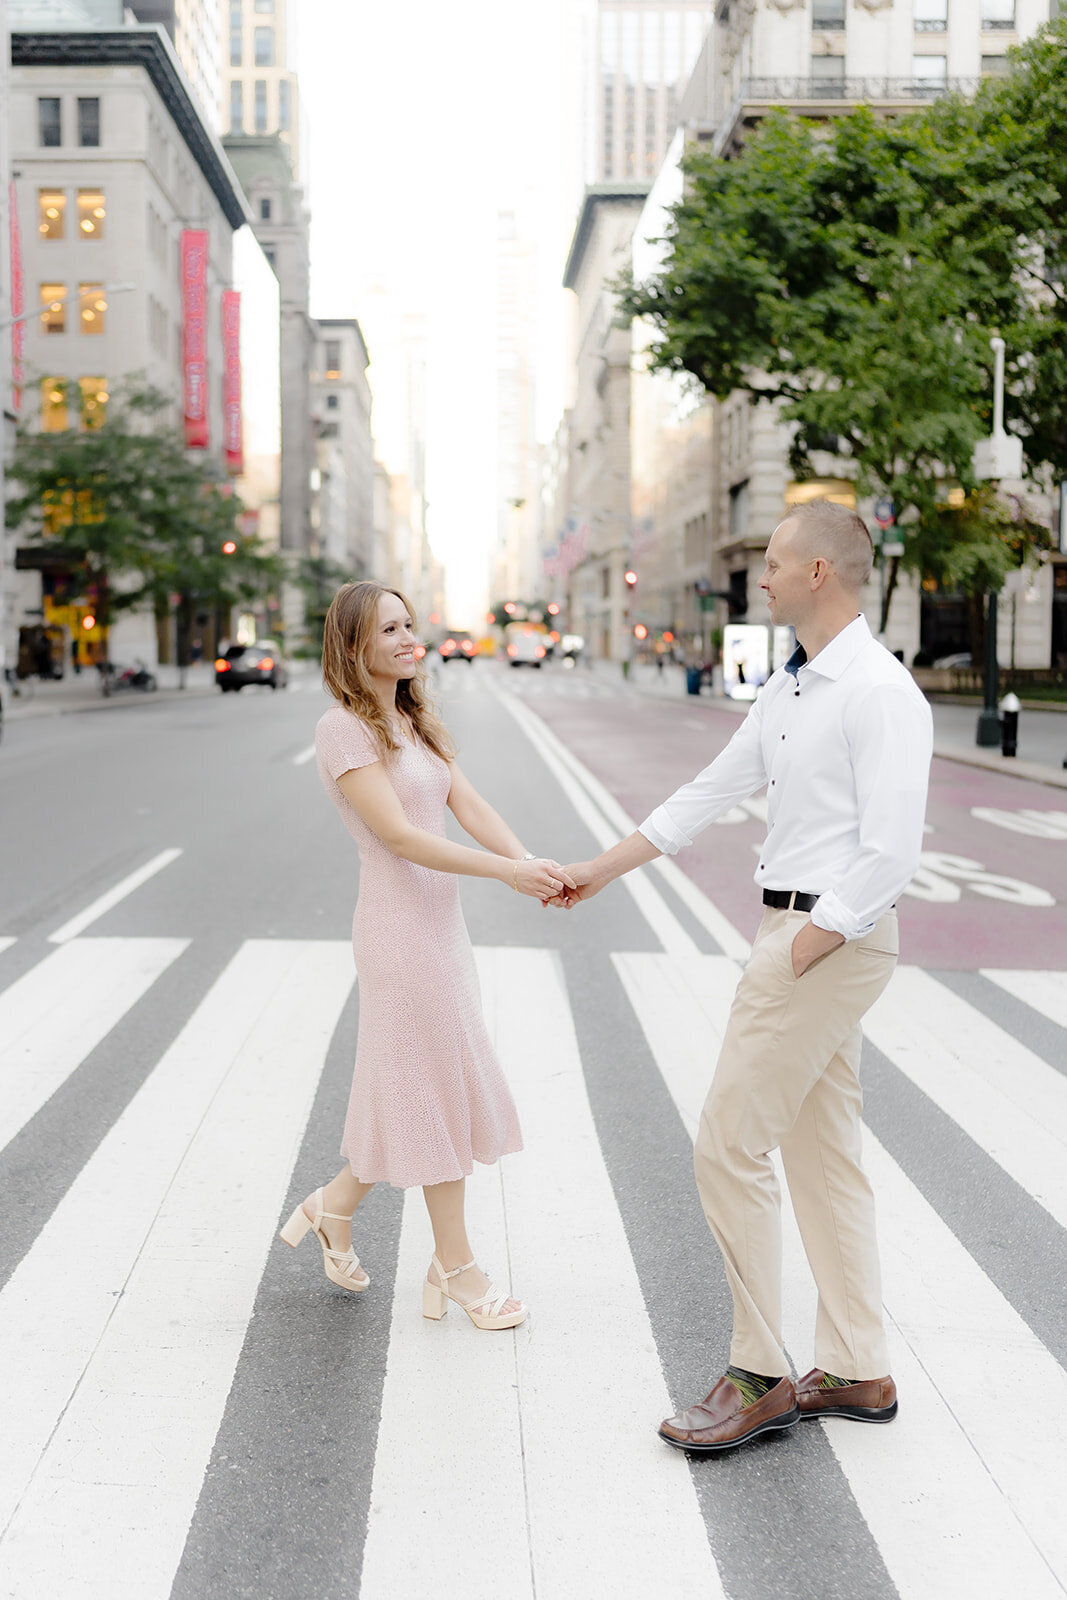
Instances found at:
x=542 y=878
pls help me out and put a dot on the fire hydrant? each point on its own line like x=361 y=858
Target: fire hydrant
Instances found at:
x=1009 y=724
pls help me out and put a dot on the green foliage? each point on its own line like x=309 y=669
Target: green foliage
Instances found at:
x=136 y=513
x=318 y=578
x=854 y=274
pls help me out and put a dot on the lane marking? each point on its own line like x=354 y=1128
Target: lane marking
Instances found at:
x=1009 y=1101
x=957 y=1493
x=624 y=1515
x=1045 y=992
x=42 y=1042
x=5 y=944
x=306 y=754
x=126 y=1341
x=79 y=923
x=608 y=822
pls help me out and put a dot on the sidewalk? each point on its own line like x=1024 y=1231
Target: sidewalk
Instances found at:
x=82 y=692
x=1042 y=734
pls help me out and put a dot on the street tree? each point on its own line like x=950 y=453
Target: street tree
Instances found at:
x=852 y=274
x=135 y=515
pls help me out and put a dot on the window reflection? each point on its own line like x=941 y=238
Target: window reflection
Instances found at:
x=53 y=307
x=91 y=213
x=93 y=308
x=51 y=213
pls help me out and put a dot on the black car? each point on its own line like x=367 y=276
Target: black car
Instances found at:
x=251 y=663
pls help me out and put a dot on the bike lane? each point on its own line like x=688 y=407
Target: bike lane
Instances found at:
x=992 y=887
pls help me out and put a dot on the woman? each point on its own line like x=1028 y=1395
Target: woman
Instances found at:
x=428 y=1097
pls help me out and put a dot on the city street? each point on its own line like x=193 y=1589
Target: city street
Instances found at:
x=198 y=1414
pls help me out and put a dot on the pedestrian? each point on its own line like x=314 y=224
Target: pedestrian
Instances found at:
x=842 y=739
x=428 y=1096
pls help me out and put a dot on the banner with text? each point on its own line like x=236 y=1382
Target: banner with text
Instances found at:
x=194 y=335
x=232 y=421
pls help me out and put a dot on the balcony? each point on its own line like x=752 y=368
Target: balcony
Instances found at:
x=788 y=91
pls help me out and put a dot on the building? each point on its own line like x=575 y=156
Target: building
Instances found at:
x=593 y=544
x=262 y=92
x=516 y=564
x=341 y=407
x=116 y=167
x=195 y=30
x=818 y=58
x=263 y=164
x=645 y=53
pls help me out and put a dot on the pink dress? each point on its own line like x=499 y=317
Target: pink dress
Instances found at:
x=428 y=1096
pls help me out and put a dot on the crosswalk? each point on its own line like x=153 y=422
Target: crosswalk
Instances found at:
x=140 y=1330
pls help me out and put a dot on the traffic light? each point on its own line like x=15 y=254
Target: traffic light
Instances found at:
x=553 y=609
x=229 y=548
x=630 y=578
x=640 y=631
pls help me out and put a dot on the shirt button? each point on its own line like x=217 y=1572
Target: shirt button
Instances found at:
x=762 y=867
x=773 y=782
x=783 y=735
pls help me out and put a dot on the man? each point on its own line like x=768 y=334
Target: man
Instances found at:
x=842 y=739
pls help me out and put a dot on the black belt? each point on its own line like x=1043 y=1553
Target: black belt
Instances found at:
x=789 y=899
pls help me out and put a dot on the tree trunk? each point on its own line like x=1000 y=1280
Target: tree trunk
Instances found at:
x=887 y=598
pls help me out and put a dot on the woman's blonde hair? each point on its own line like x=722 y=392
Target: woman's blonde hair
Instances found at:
x=350 y=628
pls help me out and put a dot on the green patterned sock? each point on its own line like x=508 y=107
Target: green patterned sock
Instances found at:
x=752 y=1385
x=828 y=1381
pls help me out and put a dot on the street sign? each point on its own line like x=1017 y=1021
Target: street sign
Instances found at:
x=893 y=547
x=884 y=512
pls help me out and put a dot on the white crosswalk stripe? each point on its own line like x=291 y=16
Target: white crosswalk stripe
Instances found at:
x=126 y=1318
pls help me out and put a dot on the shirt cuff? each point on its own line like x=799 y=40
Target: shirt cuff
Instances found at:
x=659 y=830
x=831 y=914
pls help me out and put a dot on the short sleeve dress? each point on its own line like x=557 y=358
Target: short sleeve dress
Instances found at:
x=428 y=1096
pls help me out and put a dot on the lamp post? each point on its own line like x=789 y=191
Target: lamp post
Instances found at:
x=1000 y=456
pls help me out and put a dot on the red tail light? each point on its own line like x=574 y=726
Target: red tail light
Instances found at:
x=513 y=650
x=468 y=645
x=540 y=652
x=222 y=665
x=266 y=664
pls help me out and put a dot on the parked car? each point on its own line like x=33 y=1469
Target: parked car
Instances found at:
x=457 y=646
x=251 y=663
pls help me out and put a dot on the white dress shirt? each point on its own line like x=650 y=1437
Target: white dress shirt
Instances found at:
x=843 y=743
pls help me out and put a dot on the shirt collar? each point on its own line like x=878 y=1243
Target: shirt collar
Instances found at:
x=834 y=658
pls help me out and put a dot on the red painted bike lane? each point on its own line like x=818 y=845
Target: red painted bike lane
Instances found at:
x=992 y=889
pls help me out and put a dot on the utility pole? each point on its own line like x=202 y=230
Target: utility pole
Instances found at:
x=1000 y=456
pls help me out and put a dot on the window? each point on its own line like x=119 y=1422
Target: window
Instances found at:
x=91 y=213
x=92 y=308
x=94 y=398
x=53 y=308
x=237 y=106
x=264 y=47
x=931 y=16
x=51 y=213
x=268 y=251
x=89 y=121
x=49 y=122
x=333 y=358
x=828 y=76
x=236 y=33
x=998 y=14
x=332 y=402
x=995 y=66
x=261 y=106
x=828 y=14
x=53 y=405
x=285 y=108
x=929 y=72
x=264 y=5
x=265 y=209
x=739 y=505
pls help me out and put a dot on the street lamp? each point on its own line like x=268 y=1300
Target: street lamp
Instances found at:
x=999 y=456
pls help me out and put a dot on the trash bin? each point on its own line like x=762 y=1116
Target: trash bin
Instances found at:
x=693 y=676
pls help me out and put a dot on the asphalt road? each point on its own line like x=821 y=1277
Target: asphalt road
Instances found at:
x=196 y=1413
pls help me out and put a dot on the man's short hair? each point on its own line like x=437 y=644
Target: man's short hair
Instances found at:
x=835 y=532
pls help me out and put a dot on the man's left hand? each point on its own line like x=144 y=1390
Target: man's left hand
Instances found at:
x=811 y=944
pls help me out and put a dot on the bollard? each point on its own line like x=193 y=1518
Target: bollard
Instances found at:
x=1009 y=724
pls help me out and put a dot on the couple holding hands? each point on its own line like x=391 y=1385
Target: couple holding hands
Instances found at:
x=841 y=738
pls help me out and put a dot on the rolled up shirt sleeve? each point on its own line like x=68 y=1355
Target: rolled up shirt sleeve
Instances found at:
x=891 y=742
x=736 y=773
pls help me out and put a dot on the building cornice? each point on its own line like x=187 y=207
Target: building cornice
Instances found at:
x=635 y=189
x=150 y=49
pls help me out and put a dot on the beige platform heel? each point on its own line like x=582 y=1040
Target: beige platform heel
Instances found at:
x=341 y=1266
x=484 y=1311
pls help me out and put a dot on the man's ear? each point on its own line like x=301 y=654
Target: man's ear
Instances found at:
x=820 y=572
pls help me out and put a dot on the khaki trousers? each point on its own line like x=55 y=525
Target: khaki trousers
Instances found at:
x=788 y=1078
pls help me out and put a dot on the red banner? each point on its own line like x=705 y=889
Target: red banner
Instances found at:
x=18 y=302
x=194 y=336
x=232 y=424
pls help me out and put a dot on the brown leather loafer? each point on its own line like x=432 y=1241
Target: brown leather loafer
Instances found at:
x=874 y=1400
x=723 y=1420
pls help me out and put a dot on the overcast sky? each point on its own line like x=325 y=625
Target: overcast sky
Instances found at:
x=425 y=120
